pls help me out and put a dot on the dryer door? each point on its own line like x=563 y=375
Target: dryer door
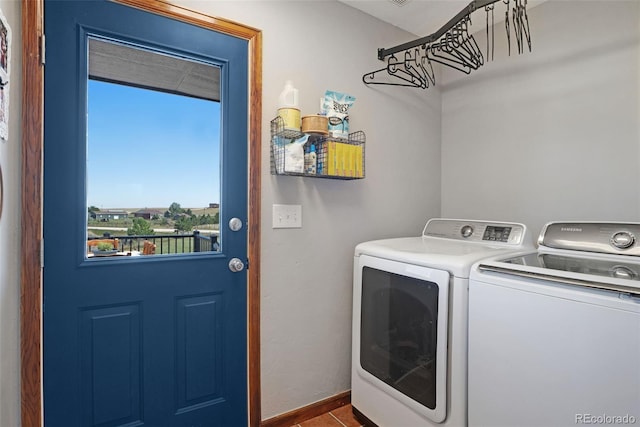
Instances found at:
x=402 y=328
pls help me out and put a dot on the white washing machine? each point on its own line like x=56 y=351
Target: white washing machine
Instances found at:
x=554 y=335
x=409 y=355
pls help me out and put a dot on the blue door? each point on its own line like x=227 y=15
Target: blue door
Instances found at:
x=138 y=334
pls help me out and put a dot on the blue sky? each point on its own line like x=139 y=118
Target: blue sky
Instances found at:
x=149 y=149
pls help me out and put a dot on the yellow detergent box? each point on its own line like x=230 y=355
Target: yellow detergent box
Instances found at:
x=351 y=170
x=340 y=158
x=359 y=167
x=331 y=158
x=348 y=164
x=343 y=159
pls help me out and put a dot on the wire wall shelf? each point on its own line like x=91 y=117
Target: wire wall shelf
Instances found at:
x=335 y=158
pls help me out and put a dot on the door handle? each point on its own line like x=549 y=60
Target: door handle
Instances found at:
x=235 y=224
x=236 y=265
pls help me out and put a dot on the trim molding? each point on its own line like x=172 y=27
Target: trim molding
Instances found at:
x=31 y=228
x=32 y=202
x=310 y=411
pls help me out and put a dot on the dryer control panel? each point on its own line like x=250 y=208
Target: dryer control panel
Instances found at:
x=497 y=234
x=507 y=233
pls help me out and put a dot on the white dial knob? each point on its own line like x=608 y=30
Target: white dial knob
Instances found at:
x=466 y=231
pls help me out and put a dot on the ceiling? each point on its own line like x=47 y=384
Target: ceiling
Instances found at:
x=421 y=17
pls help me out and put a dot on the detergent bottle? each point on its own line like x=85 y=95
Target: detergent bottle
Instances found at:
x=289 y=107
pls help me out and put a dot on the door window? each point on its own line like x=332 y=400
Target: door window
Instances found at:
x=398 y=336
x=153 y=155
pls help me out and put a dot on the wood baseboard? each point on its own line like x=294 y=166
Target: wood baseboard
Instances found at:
x=307 y=412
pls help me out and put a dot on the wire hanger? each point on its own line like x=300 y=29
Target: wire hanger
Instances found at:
x=424 y=62
x=395 y=70
x=439 y=53
x=525 y=24
x=506 y=25
x=490 y=42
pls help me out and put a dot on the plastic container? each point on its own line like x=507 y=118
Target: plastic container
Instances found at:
x=310 y=160
x=289 y=96
x=289 y=107
x=315 y=123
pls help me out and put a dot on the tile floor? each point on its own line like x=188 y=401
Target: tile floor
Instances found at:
x=341 y=417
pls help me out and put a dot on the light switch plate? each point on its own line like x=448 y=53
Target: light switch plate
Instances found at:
x=287 y=216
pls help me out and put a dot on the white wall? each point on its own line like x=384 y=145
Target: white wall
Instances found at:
x=552 y=134
x=10 y=232
x=307 y=273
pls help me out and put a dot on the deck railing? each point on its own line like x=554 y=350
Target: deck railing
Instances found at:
x=168 y=244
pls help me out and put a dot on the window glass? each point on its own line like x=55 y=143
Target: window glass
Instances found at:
x=398 y=334
x=153 y=155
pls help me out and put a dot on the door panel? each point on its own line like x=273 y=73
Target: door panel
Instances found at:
x=199 y=350
x=155 y=340
x=110 y=358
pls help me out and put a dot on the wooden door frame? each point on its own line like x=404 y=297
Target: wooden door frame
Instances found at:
x=32 y=197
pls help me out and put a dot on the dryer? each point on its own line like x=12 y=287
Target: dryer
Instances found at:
x=409 y=349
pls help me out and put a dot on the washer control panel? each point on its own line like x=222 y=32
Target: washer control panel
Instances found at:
x=476 y=231
x=600 y=237
x=623 y=240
